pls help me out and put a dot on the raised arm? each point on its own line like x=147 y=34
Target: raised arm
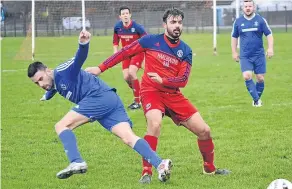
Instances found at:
x=72 y=67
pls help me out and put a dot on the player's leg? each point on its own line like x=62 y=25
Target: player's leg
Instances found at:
x=125 y=67
x=135 y=64
x=124 y=131
x=198 y=126
x=126 y=77
x=135 y=87
x=64 y=130
x=247 y=68
x=184 y=113
x=260 y=70
x=153 y=110
x=118 y=122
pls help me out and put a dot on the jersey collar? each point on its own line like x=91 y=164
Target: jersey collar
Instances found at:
x=170 y=44
x=249 y=18
x=130 y=25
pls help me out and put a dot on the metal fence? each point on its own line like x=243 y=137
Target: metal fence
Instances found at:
x=103 y=15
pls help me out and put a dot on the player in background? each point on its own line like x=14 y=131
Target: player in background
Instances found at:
x=250 y=28
x=168 y=63
x=96 y=101
x=127 y=31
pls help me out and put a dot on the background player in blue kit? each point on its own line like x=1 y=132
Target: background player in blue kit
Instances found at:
x=96 y=101
x=250 y=28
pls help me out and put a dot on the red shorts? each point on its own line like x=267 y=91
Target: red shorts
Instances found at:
x=135 y=60
x=173 y=105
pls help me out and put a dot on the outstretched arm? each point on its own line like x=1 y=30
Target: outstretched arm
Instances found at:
x=123 y=54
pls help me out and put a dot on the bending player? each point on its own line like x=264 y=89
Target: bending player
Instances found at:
x=96 y=101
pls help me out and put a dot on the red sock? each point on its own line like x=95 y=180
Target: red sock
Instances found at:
x=136 y=90
x=207 y=150
x=152 y=141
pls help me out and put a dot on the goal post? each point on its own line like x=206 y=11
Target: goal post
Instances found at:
x=214 y=28
x=32 y=28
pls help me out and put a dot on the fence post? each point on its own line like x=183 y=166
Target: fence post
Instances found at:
x=35 y=28
x=14 y=22
x=24 y=25
x=47 y=19
x=286 y=18
x=93 y=25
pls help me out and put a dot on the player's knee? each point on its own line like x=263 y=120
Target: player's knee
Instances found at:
x=260 y=78
x=247 y=76
x=132 y=74
x=153 y=128
x=130 y=139
x=205 y=133
x=127 y=141
x=126 y=77
x=59 y=127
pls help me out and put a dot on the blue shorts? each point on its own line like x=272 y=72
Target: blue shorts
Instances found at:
x=256 y=64
x=106 y=108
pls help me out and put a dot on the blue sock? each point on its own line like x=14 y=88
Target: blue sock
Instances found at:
x=260 y=88
x=143 y=148
x=70 y=145
x=252 y=89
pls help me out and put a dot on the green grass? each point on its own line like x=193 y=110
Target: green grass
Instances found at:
x=254 y=143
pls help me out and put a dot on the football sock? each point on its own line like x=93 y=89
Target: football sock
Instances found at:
x=207 y=150
x=70 y=146
x=260 y=86
x=152 y=141
x=136 y=90
x=252 y=89
x=143 y=148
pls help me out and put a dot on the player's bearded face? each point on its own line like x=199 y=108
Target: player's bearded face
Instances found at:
x=125 y=16
x=248 y=8
x=43 y=79
x=174 y=26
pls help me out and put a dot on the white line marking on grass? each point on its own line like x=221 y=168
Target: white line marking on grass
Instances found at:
x=283 y=104
x=14 y=70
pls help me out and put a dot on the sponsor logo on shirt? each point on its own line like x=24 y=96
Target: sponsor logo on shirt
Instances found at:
x=249 y=29
x=167 y=60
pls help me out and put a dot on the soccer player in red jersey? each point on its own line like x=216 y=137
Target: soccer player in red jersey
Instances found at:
x=128 y=31
x=168 y=62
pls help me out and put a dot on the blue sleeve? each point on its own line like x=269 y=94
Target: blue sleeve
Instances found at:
x=189 y=57
x=145 y=41
x=266 y=28
x=50 y=94
x=71 y=68
x=140 y=30
x=235 y=32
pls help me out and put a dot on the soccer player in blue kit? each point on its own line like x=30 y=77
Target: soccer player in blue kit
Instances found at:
x=96 y=101
x=250 y=28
